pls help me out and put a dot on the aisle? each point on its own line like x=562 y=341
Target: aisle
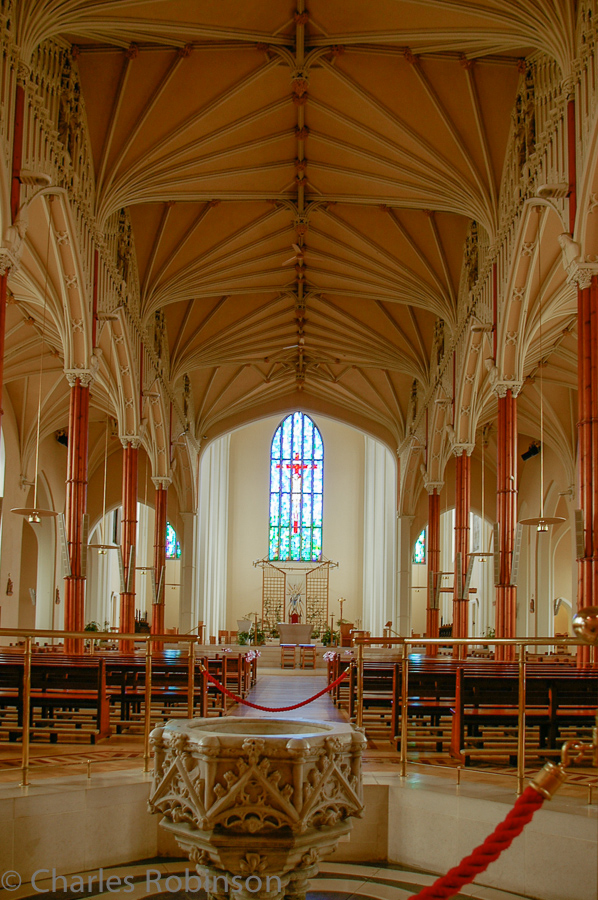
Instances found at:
x=286 y=690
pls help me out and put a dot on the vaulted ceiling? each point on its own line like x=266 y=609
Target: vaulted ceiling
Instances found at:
x=300 y=180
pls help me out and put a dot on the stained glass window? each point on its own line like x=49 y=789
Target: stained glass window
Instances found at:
x=173 y=548
x=296 y=490
x=419 y=554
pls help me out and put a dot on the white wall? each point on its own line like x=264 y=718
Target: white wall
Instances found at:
x=248 y=514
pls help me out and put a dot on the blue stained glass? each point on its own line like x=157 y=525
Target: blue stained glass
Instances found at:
x=318 y=446
x=308 y=480
x=306 y=512
x=295 y=546
x=316 y=543
x=306 y=546
x=286 y=440
x=296 y=486
x=318 y=509
x=419 y=554
x=274 y=543
x=318 y=479
x=274 y=509
x=173 y=548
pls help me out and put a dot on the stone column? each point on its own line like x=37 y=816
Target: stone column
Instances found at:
x=462 y=510
x=433 y=558
x=188 y=611
x=76 y=507
x=161 y=485
x=129 y=536
x=506 y=514
x=402 y=615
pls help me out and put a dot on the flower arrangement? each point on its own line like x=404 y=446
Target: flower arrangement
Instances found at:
x=252 y=654
x=329 y=655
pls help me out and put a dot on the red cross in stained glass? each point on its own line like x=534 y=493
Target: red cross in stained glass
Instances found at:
x=297 y=466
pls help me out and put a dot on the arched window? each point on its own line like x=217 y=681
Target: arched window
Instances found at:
x=419 y=554
x=296 y=490
x=173 y=548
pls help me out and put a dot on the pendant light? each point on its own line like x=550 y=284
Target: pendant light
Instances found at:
x=33 y=514
x=541 y=522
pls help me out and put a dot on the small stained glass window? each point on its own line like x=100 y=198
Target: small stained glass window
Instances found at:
x=296 y=490
x=173 y=548
x=419 y=554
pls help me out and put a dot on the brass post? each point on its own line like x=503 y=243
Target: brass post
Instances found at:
x=359 y=717
x=404 y=707
x=88 y=769
x=148 y=704
x=26 y=711
x=521 y=722
x=191 y=680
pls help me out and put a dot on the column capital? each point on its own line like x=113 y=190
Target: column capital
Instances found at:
x=460 y=449
x=130 y=440
x=432 y=486
x=84 y=376
x=579 y=270
x=161 y=482
x=501 y=387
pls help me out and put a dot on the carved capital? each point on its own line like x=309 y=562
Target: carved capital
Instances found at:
x=161 y=482
x=130 y=440
x=7 y=261
x=85 y=376
x=568 y=86
x=500 y=388
x=432 y=486
x=460 y=449
x=581 y=274
x=23 y=73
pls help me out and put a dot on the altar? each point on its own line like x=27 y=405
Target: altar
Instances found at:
x=294 y=633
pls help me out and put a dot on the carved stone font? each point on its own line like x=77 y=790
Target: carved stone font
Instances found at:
x=261 y=797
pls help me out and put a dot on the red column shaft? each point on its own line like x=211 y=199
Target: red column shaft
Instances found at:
x=76 y=505
x=462 y=508
x=159 y=558
x=128 y=540
x=433 y=566
x=506 y=497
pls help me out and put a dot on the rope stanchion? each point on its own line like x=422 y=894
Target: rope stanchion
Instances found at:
x=238 y=699
x=542 y=787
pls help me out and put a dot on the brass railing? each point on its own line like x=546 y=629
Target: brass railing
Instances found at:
x=520 y=644
x=29 y=636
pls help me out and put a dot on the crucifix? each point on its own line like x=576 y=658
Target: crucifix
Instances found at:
x=297 y=466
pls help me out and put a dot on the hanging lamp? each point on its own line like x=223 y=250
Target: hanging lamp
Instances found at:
x=33 y=514
x=541 y=522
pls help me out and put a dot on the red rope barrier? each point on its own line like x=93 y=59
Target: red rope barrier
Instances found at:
x=270 y=708
x=478 y=861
